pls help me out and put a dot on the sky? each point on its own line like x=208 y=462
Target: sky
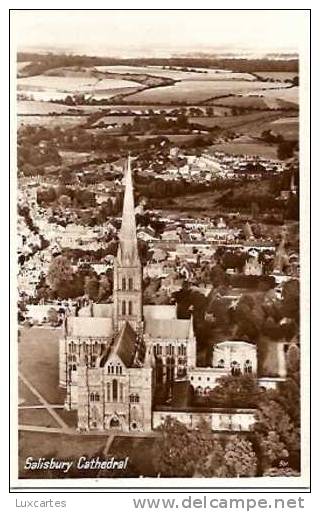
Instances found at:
x=124 y=33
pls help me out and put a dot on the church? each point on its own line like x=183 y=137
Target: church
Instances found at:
x=112 y=357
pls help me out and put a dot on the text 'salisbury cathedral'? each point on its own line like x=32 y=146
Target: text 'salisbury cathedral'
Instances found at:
x=114 y=356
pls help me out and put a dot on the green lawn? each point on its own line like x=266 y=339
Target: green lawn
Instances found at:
x=60 y=446
x=40 y=417
x=139 y=451
x=39 y=361
x=71 y=447
x=26 y=397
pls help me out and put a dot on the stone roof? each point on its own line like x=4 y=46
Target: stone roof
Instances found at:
x=125 y=346
x=235 y=343
x=87 y=327
x=169 y=329
x=159 y=312
x=97 y=310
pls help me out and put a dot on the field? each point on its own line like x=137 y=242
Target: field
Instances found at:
x=197 y=91
x=243 y=148
x=38 y=361
x=203 y=74
x=118 y=120
x=72 y=447
x=43 y=87
x=277 y=75
x=26 y=107
x=288 y=127
x=61 y=446
x=21 y=65
x=36 y=417
x=50 y=121
x=290 y=94
x=252 y=123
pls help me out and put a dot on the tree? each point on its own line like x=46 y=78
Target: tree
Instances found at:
x=91 y=287
x=285 y=150
x=217 y=276
x=53 y=317
x=65 y=201
x=239 y=458
x=250 y=315
x=60 y=275
x=180 y=452
x=282 y=470
x=104 y=288
x=276 y=434
x=235 y=391
x=291 y=299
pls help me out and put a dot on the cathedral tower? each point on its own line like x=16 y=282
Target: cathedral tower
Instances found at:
x=127 y=295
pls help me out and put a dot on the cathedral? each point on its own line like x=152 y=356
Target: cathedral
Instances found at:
x=113 y=357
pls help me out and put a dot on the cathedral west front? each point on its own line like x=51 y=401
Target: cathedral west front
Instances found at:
x=114 y=356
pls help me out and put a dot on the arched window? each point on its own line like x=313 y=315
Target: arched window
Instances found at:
x=91 y=397
x=123 y=283
x=114 y=390
x=121 y=392
x=130 y=284
x=221 y=363
x=108 y=392
x=123 y=307
x=199 y=391
x=130 y=308
x=235 y=368
x=97 y=397
x=118 y=369
x=248 y=366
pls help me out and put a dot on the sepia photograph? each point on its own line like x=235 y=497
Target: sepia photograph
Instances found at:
x=160 y=226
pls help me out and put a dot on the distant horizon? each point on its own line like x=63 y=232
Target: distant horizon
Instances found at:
x=127 y=53
x=168 y=33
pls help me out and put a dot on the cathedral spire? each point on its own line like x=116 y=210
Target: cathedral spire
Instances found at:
x=128 y=245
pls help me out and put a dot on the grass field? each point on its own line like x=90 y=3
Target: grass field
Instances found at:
x=251 y=102
x=288 y=127
x=277 y=75
x=60 y=446
x=136 y=449
x=238 y=148
x=25 y=395
x=178 y=74
x=39 y=417
x=71 y=84
x=50 y=121
x=290 y=94
x=39 y=361
x=244 y=123
x=26 y=107
x=43 y=87
x=196 y=91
